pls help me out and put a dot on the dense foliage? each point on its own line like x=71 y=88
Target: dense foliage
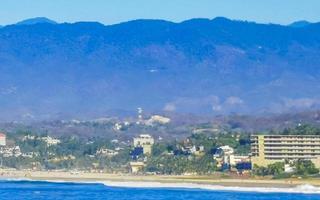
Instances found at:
x=300 y=167
x=192 y=155
x=304 y=129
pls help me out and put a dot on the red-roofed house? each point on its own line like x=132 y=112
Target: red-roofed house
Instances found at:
x=2 y=139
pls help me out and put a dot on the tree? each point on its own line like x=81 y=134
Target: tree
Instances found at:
x=305 y=167
x=272 y=169
x=304 y=129
x=259 y=170
x=158 y=149
x=276 y=168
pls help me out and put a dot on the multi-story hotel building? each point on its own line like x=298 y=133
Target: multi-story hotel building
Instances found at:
x=268 y=149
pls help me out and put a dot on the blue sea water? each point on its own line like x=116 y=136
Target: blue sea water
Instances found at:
x=37 y=190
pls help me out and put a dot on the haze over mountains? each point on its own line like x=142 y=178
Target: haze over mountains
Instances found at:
x=201 y=66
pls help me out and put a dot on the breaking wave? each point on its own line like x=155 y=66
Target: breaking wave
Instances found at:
x=305 y=189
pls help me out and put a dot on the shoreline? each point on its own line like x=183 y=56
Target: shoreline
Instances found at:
x=311 y=186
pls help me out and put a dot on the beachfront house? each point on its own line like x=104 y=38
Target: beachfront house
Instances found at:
x=225 y=158
x=136 y=167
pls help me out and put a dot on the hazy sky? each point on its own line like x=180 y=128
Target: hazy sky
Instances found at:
x=114 y=11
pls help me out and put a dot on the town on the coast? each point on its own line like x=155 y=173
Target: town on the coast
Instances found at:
x=293 y=152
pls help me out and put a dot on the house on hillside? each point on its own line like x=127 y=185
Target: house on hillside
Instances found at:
x=50 y=140
x=145 y=141
x=107 y=152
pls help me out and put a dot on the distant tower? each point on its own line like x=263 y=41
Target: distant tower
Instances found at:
x=140 y=118
x=140 y=111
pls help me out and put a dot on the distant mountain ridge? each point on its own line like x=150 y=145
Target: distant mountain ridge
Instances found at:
x=200 y=66
x=36 y=20
x=299 y=24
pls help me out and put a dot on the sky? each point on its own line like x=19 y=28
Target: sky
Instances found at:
x=115 y=11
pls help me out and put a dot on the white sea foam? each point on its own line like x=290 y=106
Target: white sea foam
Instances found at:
x=303 y=189
x=15 y=179
x=306 y=189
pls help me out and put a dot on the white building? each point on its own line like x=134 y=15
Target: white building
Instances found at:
x=28 y=137
x=288 y=168
x=225 y=150
x=50 y=141
x=157 y=119
x=10 y=151
x=225 y=155
x=107 y=152
x=195 y=150
x=145 y=141
x=136 y=167
x=117 y=127
x=30 y=154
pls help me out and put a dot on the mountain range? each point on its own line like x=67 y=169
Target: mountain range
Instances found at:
x=37 y=20
x=209 y=67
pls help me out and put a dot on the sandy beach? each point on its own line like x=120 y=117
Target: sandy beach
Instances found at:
x=163 y=179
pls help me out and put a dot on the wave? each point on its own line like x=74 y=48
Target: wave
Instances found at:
x=305 y=189
x=57 y=181
x=14 y=179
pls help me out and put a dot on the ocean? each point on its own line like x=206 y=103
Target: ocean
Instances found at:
x=37 y=190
